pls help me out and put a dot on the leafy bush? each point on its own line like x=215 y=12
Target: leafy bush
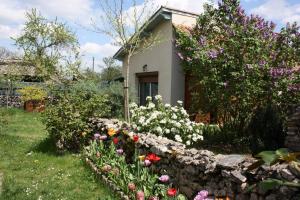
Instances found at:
x=32 y=93
x=266 y=128
x=165 y=120
x=66 y=118
x=115 y=92
x=234 y=71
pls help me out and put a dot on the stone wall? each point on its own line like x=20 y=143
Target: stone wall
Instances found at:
x=13 y=101
x=293 y=135
x=192 y=170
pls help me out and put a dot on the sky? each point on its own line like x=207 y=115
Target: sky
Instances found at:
x=79 y=14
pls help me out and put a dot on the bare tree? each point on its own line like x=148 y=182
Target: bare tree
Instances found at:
x=6 y=54
x=127 y=29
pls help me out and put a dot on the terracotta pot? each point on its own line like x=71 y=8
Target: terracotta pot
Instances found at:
x=34 y=106
x=28 y=106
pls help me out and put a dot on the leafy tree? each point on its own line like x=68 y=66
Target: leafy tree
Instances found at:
x=240 y=63
x=111 y=70
x=91 y=75
x=49 y=45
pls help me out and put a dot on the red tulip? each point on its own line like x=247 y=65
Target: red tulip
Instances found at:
x=171 y=192
x=152 y=157
x=135 y=138
x=115 y=140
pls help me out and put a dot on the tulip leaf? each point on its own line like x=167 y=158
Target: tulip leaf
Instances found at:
x=270 y=184
x=269 y=157
x=283 y=152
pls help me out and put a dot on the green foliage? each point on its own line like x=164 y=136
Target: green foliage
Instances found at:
x=49 y=45
x=111 y=70
x=67 y=117
x=240 y=64
x=271 y=158
x=114 y=92
x=32 y=93
x=112 y=164
x=266 y=129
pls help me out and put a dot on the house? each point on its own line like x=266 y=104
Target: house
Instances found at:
x=158 y=70
x=14 y=74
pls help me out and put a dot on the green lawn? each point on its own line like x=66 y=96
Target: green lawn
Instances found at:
x=33 y=171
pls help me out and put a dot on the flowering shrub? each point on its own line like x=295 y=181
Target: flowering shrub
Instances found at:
x=240 y=63
x=32 y=93
x=165 y=120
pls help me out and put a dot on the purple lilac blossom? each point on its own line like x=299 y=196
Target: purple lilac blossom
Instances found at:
x=279 y=72
x=212 y=54
x=294 y=87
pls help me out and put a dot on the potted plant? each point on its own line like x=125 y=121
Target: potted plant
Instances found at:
x=33 y=98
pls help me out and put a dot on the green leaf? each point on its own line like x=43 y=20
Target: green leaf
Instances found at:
x=270 y=184
x=181 y=197
x=283 y=152
x=269 y=157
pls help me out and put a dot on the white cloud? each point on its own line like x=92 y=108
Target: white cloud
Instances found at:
x=280 y=10
x=195 y=6
x=13 y=11
x=98 y=49
x=9 y=31
x=10 y=12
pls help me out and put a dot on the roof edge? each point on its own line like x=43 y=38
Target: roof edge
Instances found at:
x=162 y=10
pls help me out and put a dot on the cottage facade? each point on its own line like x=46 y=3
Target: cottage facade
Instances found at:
x=157 y=70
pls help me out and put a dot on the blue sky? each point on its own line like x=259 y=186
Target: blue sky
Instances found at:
x=77 y=14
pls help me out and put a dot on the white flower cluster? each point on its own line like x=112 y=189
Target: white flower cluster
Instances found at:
x=165 y=120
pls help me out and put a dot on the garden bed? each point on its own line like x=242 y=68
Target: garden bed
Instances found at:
x=192 y=170
x=104 y=179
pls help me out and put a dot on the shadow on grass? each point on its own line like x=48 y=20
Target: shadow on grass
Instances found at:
x=46 y=146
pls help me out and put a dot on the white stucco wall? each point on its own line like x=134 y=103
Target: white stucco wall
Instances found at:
x=157 y=58
x=162 y=58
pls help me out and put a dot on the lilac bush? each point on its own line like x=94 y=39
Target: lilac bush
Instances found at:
x=240 y=63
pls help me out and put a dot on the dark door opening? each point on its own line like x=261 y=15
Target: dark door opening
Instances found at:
x=148 y=86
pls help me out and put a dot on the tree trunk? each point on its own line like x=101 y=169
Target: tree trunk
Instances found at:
x=126 y=91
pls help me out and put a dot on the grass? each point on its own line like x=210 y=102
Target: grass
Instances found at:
x=32 y=169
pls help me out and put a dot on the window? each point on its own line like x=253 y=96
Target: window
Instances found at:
x=148 y=86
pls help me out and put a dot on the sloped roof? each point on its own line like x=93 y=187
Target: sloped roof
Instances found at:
x=163 y=13
x=16 y=67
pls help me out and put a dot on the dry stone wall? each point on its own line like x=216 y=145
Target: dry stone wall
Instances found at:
x=13 y=101
x=293 y=135
x=192 y=170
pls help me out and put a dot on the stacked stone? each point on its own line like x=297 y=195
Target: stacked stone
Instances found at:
x=293 y=135
x=13 y=101
x=192 y=170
